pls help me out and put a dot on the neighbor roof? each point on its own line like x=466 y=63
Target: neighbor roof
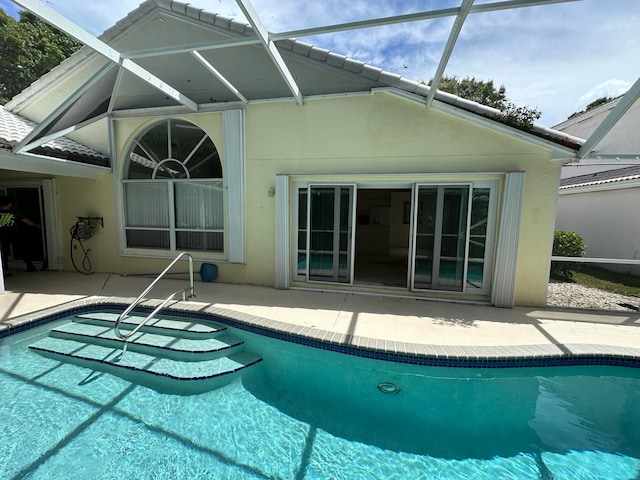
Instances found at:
x=600 y=178
x=222 y=62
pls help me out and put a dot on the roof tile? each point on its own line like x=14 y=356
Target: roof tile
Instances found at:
x=371 y=72
x=354 y=66
x=335 y=59
x=319 y=54
x=601 y=178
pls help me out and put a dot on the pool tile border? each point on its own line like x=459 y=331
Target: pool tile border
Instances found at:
x=513 y=356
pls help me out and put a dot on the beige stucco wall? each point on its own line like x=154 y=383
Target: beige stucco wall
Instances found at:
x=381 y=134
x=607 y=220
x=376 y=134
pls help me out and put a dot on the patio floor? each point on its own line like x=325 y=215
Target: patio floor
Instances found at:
x=384 y=323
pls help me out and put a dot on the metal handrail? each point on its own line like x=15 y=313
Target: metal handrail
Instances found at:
x=126 y=336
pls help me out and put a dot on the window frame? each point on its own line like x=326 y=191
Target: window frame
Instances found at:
x=229 y=141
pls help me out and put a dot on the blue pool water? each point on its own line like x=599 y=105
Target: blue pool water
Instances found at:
x=305 y=413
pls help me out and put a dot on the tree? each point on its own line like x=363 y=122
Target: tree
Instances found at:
x=29 y=48
x=486 y=93
x=595 y=104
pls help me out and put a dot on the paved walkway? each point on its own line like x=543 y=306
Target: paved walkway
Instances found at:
x=384 y=323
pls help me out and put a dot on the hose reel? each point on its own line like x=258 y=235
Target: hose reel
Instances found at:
x=81 y=231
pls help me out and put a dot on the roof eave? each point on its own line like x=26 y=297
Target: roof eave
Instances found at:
x=40 y=164
x=562 y=148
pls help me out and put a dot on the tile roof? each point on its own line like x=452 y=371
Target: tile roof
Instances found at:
x=601 y=178
x=14 y=128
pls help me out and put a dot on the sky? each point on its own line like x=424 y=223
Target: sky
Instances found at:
x=555 y=58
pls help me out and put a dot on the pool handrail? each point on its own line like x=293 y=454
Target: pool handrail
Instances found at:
x=126 y=336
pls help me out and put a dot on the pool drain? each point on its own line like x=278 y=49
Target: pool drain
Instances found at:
x=388 y=388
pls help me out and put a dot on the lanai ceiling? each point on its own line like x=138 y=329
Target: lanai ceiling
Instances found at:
x=203 y=60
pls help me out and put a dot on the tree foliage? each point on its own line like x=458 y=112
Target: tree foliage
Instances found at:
x=486 y=93
x=481 y=91
x=29 y=48
x=595 y=104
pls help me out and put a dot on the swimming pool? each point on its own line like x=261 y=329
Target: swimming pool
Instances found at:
x=306 y=413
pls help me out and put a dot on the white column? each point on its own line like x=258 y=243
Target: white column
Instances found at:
x=282 y=232
x=504 y=276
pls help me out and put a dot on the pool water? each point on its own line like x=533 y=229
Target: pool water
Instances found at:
x=305 y=413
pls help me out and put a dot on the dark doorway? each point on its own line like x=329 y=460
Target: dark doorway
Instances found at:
x=28 y=201
x=382 y=237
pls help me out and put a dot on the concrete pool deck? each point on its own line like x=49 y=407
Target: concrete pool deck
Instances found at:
x=402 y=325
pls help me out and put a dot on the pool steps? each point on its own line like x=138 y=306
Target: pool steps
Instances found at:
x=170 y=355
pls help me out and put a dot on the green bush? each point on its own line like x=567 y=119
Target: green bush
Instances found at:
x=566 y=244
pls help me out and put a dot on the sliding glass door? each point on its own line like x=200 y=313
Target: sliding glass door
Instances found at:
x=451 y=231
x=325 y=233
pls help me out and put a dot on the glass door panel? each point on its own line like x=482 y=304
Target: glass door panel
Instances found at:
x=478 y=233
x=330 y=236
x=301 y=236
x=425 y=236
x=441 y=226
x=453 y=242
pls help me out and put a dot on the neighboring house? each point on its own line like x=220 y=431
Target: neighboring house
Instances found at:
x=351 y=184
x=599 y=196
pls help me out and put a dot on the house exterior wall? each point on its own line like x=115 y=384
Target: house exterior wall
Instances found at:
x=336 y=138
x=608 y=222
x=374 y=135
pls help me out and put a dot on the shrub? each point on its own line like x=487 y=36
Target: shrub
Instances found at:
x=566 y=244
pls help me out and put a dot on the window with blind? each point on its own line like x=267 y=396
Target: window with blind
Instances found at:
x=173 y=190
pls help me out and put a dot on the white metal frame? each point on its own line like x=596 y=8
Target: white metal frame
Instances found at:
x=492 y=214
x=351 y=228
x=126 y=60
x=287 y=227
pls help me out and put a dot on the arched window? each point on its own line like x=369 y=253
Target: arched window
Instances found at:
x=173 y=189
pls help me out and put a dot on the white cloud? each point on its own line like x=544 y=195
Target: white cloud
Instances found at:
x=610 y=88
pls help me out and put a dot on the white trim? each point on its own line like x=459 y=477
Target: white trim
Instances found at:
x=54 y=254
x=282 y=267
x=613 y=261
x=599 y=186
x=234 y=177
x=504 y=275
x=32 y=163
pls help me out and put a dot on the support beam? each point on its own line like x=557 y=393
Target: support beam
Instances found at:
x=28 y=139
x=58 y=21
x=341 y=27
x=448 y=49
x=192 y=47
x=219 y=76
x=272 y=51
x=412 y=17
x=609 y=122
x=114 y=92
x=60 y=133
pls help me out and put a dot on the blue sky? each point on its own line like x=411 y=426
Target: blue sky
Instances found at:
x=556 y=58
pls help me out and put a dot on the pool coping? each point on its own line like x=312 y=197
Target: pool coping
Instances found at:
x=480 y=356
